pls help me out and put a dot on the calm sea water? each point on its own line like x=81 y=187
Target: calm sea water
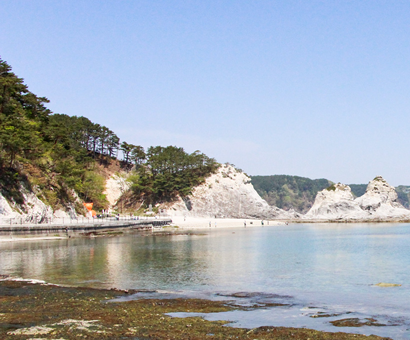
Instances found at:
x=315 y=270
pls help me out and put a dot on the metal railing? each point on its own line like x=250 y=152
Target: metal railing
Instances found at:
x=45 y=220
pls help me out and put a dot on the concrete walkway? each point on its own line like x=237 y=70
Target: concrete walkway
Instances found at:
x=84 y=224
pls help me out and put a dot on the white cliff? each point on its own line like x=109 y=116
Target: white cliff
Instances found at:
x=380 y=200
x=115 y=186
x=5 y=209
x=227 y=193
x=378 y=203
x=31 y=209
x=335 y=202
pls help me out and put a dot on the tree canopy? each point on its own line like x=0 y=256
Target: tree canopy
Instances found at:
x=169 y=171
x=56 y=153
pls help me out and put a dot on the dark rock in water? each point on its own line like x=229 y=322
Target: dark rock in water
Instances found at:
x=255 y=295
x=356 y=322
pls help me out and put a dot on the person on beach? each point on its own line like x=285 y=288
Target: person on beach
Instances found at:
x=244 y=224
x=215 y=224
x=210 y=224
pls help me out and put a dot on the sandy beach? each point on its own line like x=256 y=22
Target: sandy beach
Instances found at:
x=206 y=223
x=181 y=222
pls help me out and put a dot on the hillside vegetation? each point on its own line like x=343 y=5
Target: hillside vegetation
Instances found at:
x=61 y=157
x=289 y=192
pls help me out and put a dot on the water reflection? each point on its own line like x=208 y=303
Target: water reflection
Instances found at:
x=336 y=261
x=334 y=266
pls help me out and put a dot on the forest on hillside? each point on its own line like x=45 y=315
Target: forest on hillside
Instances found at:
x=289 y=192
x=58 y=156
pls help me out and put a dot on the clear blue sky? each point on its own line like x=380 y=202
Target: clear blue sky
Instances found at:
x=309 y=88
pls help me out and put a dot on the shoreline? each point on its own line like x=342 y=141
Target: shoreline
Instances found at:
x=178 y=223
x=52 y=312
x=222 y=223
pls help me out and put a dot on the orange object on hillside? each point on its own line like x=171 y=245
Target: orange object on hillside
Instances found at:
x=89 y=206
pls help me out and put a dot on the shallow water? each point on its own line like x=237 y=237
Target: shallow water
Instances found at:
x=311 y=268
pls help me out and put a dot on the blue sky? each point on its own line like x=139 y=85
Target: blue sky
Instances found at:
x=318 y=89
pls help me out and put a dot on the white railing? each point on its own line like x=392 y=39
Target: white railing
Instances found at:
x=42 y=220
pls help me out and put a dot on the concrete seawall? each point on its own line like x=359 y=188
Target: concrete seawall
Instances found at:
x=78 y=226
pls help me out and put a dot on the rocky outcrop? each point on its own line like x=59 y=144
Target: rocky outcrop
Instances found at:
x=228 y=194
x=5 y=208
x=32 y=209
x=115 y=186
x=335 y=202
x=378 y=203
x=380 y=198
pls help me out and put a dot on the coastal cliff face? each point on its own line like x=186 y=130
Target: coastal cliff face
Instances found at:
x=227 y=193
x=32 y=209
x=379 y=195
x=378 y=203
x=335 y=202
x=115 y=186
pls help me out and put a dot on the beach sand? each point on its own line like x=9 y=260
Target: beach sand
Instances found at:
x=206 y=223
x=184 y=223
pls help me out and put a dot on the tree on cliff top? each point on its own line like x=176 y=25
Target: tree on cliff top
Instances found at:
x=170 y=171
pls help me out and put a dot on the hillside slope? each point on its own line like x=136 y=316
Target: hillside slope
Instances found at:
x=289 y=192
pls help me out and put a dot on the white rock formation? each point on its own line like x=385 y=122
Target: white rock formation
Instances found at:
x=335 y=202
x=380 y=200
x=5 y=209
x=227 y=194
x=378 y=203
x=115 y=186
x=33 y=209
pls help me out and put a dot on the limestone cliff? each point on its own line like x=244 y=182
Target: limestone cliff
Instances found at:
x=227 y=194
x=380 y=200
x=378 y=203
x=115 y=186
x=335 y=202
x=31 y=209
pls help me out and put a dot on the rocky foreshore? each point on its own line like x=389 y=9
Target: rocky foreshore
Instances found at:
x=43 y=311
